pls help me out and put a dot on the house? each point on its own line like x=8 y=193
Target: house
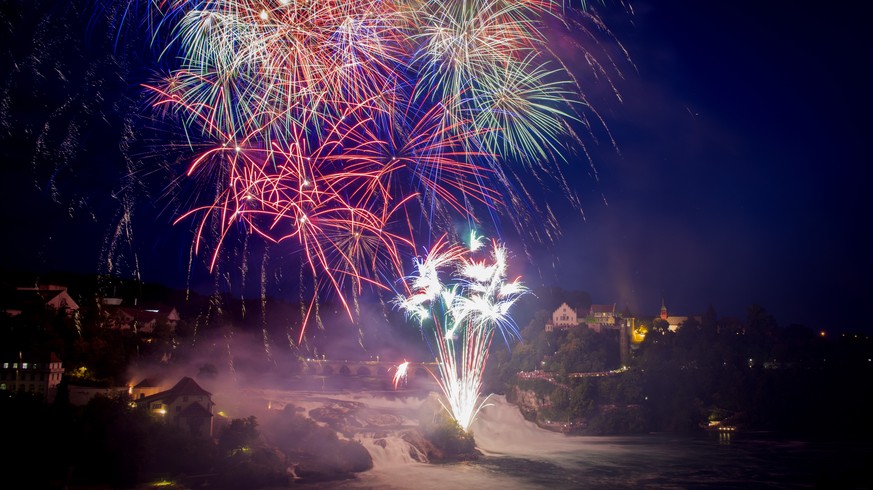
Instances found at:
x=563 y=317
x=597 y=318
x=30 y=373
x=186 y=406
x=45 y=296
x=146 y=387
x=139 y=320
x=601 y=317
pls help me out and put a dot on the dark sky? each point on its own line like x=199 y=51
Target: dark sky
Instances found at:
x=743 y=166
x=739 y=175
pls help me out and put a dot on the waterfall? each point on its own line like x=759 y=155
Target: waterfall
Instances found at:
x=391 y=450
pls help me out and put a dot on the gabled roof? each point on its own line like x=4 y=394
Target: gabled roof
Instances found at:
x=24 y=298
x=603 y=308
x=185 y=387
x=140 y=315
x=38 y=357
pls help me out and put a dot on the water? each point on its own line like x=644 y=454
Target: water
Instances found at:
x=519 y=455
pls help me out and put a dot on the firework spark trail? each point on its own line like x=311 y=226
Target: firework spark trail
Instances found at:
x=401 y=373
x=465 y=314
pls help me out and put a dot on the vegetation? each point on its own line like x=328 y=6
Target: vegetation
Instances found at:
x=443 y=432
x=753 y=374
x=108 y=442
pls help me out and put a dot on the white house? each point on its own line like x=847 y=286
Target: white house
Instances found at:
x=186 y=406
x=563 y=317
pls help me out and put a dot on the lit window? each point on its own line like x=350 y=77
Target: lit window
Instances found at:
x=24 y=365
x=5 y=365
x=14 y=365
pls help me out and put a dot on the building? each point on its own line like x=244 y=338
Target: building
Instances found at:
x=186 y=406
x=139 y=320
x=674 y=322
x=46 y=296
x=602 y=317
x=146 y=387
x=597 y=318
x=28 y=373
x=563 y=317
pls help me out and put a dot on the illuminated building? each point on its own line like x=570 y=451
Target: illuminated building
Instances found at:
x=186 y=406
x=29 y=373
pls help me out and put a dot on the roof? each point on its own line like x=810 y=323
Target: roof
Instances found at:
x=185 y=387
x=140 y=315
x=33 y=298
x=39 y=356
x=603 y=308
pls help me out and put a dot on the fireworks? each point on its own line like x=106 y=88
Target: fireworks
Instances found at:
x=464 y=315
x=353 y=128
x=401 y=373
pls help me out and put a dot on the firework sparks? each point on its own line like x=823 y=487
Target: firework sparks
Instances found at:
x=464 y=315
x=333 y=125
x=400 y=374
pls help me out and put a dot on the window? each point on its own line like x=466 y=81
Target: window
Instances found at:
x=14 y=365
x=156 y=406
x=24 y=365
x=5 y=365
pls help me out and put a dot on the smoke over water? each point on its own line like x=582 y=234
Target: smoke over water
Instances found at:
x=517 y=454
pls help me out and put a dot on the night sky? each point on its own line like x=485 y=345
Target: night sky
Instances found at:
x=737 y=177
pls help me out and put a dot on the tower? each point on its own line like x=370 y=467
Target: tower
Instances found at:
x=663 y=310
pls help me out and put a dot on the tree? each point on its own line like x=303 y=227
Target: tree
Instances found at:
x=239 y=434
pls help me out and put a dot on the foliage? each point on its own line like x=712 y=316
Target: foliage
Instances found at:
x=751 y=373
x=239 y=434
x=443 y=431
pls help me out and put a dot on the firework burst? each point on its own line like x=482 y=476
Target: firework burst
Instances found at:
x=354 y=128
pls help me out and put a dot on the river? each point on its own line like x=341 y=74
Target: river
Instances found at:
x=519 y=455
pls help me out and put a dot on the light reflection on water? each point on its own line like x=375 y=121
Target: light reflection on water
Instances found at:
x=519 y=455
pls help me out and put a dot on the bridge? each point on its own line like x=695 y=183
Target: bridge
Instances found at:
x=376 y=369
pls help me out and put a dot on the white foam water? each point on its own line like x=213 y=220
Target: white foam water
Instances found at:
x=518 y=454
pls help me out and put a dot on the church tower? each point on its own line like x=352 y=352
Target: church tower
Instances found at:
x=663 y=310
